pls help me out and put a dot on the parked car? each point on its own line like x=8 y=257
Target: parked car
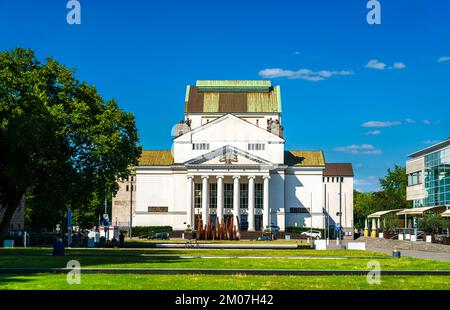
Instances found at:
x=263 y=238
x=274 y=228
x=313 y=234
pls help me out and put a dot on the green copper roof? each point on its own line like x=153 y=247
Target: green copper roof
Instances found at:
x=233 y=97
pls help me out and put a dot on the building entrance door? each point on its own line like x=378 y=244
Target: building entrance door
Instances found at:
x=258 y=222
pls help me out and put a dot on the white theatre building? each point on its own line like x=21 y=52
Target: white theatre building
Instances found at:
x=229 y=159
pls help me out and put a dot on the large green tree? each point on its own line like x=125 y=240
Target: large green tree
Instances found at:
x=391 y=196
x=59 y=140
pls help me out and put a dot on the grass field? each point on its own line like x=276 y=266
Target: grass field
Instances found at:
x=238 y=282
x=215 y=259
x=186 y=258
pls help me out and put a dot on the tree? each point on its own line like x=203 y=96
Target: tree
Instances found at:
x=392 y=196
x=363 y=206
x=60 y=140
x=394 y=186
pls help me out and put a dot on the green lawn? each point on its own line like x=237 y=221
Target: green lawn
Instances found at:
x=237 y=282
x=170 y=258
x=173 y=258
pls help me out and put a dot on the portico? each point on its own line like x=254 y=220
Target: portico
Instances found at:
x=249 y=201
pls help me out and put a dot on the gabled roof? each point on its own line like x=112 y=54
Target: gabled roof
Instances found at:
x=233 y=97
x=223 y=118
x=231 y=153
x=156 y=158
x=304 y=158
x=338 y=169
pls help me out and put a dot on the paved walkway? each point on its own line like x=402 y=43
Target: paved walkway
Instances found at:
x=443 y=257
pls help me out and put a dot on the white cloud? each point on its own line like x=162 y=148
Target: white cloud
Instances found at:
x=380 y=124
x=366 y=149
x=430 y=141
x=275 y=73
x=444 y=58
x=378 y=65
x=296 y=53
x=426 y=122
x=399 y=65
x=372 y=133
x=304 y=74
x=410 y=121
x=375 y=64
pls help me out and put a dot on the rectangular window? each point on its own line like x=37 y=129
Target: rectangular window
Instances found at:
x=259 y=196
x=197 y=195
x=213 y=195
x=200 y=146
x=243 y=196
x=415 y=178
x=256 y=146
x=228 y=195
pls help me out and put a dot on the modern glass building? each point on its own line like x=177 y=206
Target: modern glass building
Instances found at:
x=429 y=176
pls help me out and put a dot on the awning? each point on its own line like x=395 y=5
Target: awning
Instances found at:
x=417 y=211
x=446 y=213
x=381 y=213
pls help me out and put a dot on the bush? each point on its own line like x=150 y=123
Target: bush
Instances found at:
x=149 y=230
x=294 y=229
x=431 y=223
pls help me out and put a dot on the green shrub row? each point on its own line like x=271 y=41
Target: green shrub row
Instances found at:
x=149 y=230
x=294 y=229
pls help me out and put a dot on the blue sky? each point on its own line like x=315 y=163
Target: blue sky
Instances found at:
x=366 y=94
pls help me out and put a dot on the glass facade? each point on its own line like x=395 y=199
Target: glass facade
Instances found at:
x=437 y=178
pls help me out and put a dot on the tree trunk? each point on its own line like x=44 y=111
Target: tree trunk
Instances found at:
x=7 y=216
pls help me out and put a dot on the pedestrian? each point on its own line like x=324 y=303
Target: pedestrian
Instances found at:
x=121 y=240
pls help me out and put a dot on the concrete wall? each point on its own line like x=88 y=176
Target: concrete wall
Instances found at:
x=332 y=196
x=260 y=120
x=416 y=192
x=229 y=131
x=277 y=199
x=304 y=188
x=122 y=200
x=163 y=188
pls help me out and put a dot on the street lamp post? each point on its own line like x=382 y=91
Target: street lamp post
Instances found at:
x=310 y=232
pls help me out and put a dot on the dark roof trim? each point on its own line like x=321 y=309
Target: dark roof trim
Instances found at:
x=431 y=149
x=338 y=169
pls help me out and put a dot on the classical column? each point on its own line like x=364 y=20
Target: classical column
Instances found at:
x=236 y=190
x=220 y=198
x=251 y=203
x=189 y=215
x=266 y=211
x=205 y=209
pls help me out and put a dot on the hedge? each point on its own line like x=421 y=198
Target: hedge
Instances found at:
x=149 y=230
x=294 y=229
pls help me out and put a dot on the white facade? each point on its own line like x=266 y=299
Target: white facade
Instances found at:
x=223 y=150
